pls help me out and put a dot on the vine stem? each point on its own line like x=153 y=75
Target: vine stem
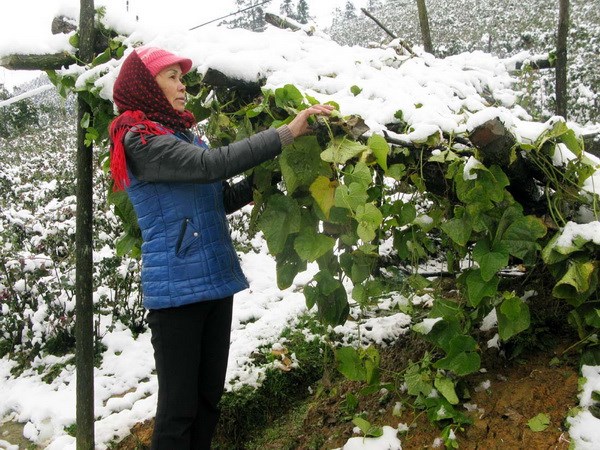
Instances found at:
x=594 y=200
x=551 y=207
x=581 y=341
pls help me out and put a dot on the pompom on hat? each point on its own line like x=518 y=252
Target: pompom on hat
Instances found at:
x=156 y=59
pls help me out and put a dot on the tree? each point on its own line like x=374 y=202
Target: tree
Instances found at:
x=251 y=19
x=424 y=22
x=286 y=8
x=349 y=10
x=373 y=5
x=302 y=11
x=561 y=58
x=18 y=117
x=356 y=31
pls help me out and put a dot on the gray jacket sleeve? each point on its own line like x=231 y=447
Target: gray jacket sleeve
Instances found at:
x=237 y=195
x=166 y=158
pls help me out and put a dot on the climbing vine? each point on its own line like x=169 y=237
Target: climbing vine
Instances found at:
x=335 y=196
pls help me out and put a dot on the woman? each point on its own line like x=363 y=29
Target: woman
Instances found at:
x=190 y=270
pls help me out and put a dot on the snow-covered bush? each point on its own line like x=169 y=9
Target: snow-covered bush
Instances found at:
x=37 y=257
x=503 y=29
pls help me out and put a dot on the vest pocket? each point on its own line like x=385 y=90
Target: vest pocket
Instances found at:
x=187 y=236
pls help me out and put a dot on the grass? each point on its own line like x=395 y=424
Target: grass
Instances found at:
x=247 y=410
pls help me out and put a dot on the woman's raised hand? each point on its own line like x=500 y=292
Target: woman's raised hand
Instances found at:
x=299 y=125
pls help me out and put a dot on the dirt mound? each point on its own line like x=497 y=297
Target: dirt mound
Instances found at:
x=515 y=396
x=503 y=399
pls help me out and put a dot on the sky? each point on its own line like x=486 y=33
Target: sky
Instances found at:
x=434 y=96
x=19 y=28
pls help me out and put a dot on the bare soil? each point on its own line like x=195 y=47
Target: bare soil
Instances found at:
x=516 y=391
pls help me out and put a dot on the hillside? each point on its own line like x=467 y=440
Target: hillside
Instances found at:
x=500 y=28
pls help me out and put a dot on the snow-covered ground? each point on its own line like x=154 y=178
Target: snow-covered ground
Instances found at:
x=125 y=386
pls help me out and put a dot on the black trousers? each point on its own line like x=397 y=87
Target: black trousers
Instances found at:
x=191 y=348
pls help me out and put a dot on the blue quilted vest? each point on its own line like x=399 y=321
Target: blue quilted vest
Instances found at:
x=187 y=252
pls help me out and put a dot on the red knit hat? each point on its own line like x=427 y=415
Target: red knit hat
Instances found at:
x=156 y=59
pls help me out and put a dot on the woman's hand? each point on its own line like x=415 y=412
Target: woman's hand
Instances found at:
x=300 y=126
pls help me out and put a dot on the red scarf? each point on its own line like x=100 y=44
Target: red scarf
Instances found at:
x=140 y=101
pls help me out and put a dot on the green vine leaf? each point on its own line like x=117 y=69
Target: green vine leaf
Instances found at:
x=300 y=163
x=311 y=245
x=521 y=235
x=74 y=40
x=445 y=386
x=288 y=265
x=359 y=365
x=323 y=192
x=91 y=135
x=367 y=429
x=288 y=96
x=439 y=409
x=578 y=282
x=129 y=245
x=102 y=58
x=553 y=254
x=561 y=132
x=478 y=288
x=461 y=357
x=418 y=380
x=459 y=229
x=481 y=193
x=513 y=317
x=490 y=260
x=368 y=291
x=444 y=156
x=85 y=120
x=349 y=364
x=355 y=90
x=407 y=213
x=369 y=219
x=358 y=265
x=130 y=242
x=443 y=331
x=340 y=150
x=380 y=149
x=350 y=197
x=539 y=422
x=330 y=297
x=281 y=218
x=359 y=173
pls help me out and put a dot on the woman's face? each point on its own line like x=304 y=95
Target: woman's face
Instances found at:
x=169 y=80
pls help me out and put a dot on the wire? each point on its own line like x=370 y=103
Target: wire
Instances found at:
x=25 y=95
x=231 y=14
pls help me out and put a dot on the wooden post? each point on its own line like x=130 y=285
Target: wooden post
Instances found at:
x=424 y=22
x=84 y=323
x=561 y=58
x=84 y=308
